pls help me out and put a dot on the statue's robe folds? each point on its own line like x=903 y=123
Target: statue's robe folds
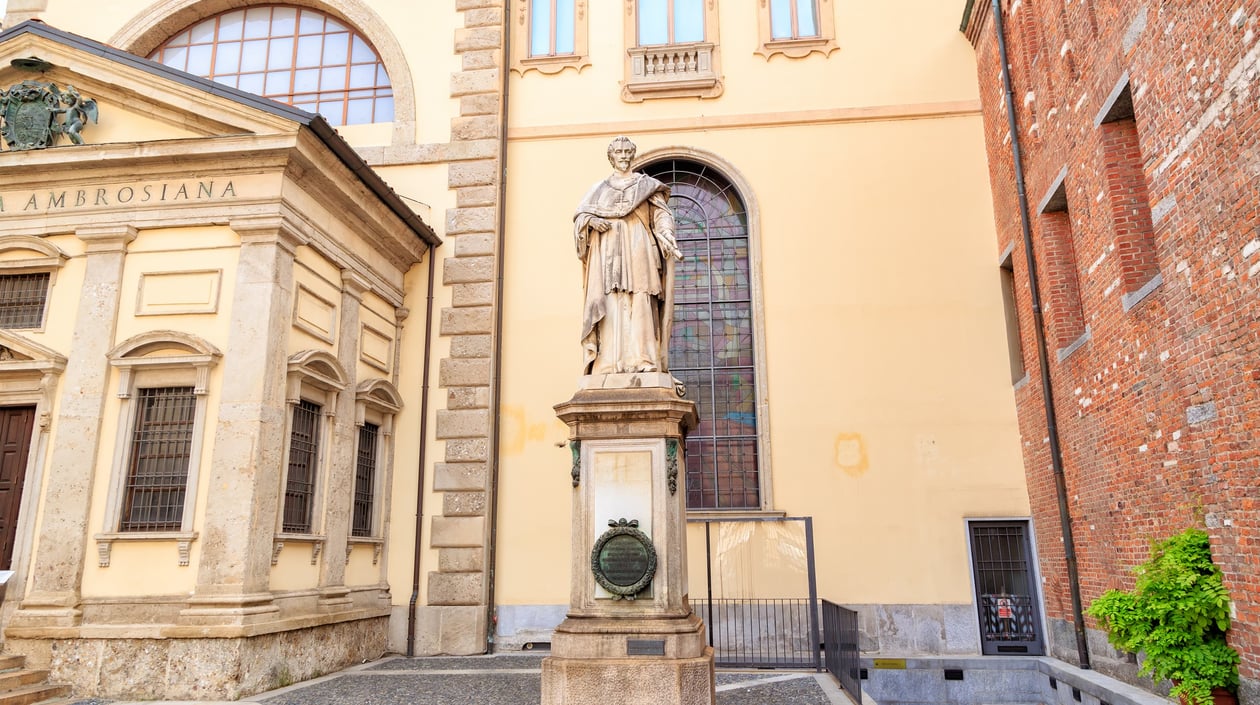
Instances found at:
x=627 y=274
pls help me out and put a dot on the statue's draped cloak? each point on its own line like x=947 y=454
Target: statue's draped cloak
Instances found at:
x=627 y=257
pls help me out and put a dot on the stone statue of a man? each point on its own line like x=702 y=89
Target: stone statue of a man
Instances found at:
x=624 y=232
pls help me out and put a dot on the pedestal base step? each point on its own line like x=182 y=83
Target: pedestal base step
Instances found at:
x=628 y=681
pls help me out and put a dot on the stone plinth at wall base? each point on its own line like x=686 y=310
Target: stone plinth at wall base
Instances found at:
x=201 y=669
x=628 y=681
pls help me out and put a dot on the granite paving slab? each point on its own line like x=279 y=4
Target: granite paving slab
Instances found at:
x=797 y=691
x=462 y=663
x=418 y=689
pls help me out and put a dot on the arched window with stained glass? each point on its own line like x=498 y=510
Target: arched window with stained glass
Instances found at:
x=711 y=346
x=294 y=55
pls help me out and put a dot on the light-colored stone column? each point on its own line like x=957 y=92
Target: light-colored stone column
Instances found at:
x=455 y=619
x=339 y=490
x=57 y=570
x=234 y=573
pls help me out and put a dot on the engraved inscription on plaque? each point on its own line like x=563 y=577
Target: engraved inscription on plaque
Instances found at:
x=645 y=647
x=623 y=559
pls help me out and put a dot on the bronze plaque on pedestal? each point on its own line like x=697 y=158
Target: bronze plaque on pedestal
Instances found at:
x=624 y=559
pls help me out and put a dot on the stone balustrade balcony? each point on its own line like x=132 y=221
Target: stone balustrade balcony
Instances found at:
x=672 y=70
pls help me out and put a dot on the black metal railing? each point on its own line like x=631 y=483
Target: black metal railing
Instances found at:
x=840 y=647
x=761 y=633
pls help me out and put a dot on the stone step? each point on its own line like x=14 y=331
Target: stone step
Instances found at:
x=16 y=679
x=11 y=662
x=31 y=694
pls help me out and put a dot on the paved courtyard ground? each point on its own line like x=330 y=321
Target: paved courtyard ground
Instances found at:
x=508 y=679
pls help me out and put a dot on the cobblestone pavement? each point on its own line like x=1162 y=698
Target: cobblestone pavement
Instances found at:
x=507 y=679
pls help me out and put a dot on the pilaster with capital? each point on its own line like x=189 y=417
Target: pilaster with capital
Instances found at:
x=233 y=574
x=57 y=568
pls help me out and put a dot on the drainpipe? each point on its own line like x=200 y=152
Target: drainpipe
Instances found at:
x=496 y=374
x=424 y=435
x=1047 y=391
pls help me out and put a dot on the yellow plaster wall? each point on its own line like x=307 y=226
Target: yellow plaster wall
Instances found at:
x=137 y=567
x=883 y=328
x=911 y=55
x=400 y=528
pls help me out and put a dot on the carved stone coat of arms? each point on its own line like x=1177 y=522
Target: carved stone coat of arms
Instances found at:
x=35 y=115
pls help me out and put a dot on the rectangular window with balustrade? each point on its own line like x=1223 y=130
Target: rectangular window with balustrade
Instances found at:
x=671 y=50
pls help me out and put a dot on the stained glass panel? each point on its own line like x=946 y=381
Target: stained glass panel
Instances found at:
x=711 y=342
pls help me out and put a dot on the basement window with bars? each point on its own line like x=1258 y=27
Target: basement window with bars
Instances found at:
x=23 y=298
x=299 y=486
x=161 y=446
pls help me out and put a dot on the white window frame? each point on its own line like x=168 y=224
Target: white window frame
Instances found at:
x=823 y=43
x=156 y=359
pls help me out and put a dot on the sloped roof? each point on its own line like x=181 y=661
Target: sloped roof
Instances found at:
x=315 y=122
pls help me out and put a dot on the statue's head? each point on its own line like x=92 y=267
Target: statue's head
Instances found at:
x=622 y=150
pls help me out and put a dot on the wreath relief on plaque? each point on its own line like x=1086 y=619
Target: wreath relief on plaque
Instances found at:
x=623 y=559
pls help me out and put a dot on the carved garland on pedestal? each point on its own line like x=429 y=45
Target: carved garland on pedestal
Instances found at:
x=576 y=471
x=671 y=465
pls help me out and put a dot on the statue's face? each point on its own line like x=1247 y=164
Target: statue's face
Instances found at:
x=622 y=156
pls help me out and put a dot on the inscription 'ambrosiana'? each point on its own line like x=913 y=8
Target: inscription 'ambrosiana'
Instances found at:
x=96 y=197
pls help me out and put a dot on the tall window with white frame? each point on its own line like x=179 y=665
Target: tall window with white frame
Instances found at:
x=295 y=55
x=299 y=490
x=552 y=27
x=793 y=19
x=365 y=480
x=711 y=345
x=157 y=469
x=671 y=22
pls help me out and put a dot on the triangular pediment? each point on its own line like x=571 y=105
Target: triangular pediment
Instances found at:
x=18 y=352
x=137 y=100
x=172 y=148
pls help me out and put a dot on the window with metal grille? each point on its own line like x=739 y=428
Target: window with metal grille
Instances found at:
x=365 y=480
x=157 y=474
x=711 y=345
x=299 y=488
x=793 y=19
x=22 y=299
x=295 y=55
x=670 y=22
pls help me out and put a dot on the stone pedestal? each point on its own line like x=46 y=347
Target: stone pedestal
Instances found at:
x=627 y=434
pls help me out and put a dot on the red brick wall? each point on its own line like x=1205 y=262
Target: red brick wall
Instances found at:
x=1159 y=411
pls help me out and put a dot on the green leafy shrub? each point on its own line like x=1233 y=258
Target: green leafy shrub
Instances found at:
x=1177 y=615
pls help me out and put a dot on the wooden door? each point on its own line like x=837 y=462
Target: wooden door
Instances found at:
x=16 y=425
